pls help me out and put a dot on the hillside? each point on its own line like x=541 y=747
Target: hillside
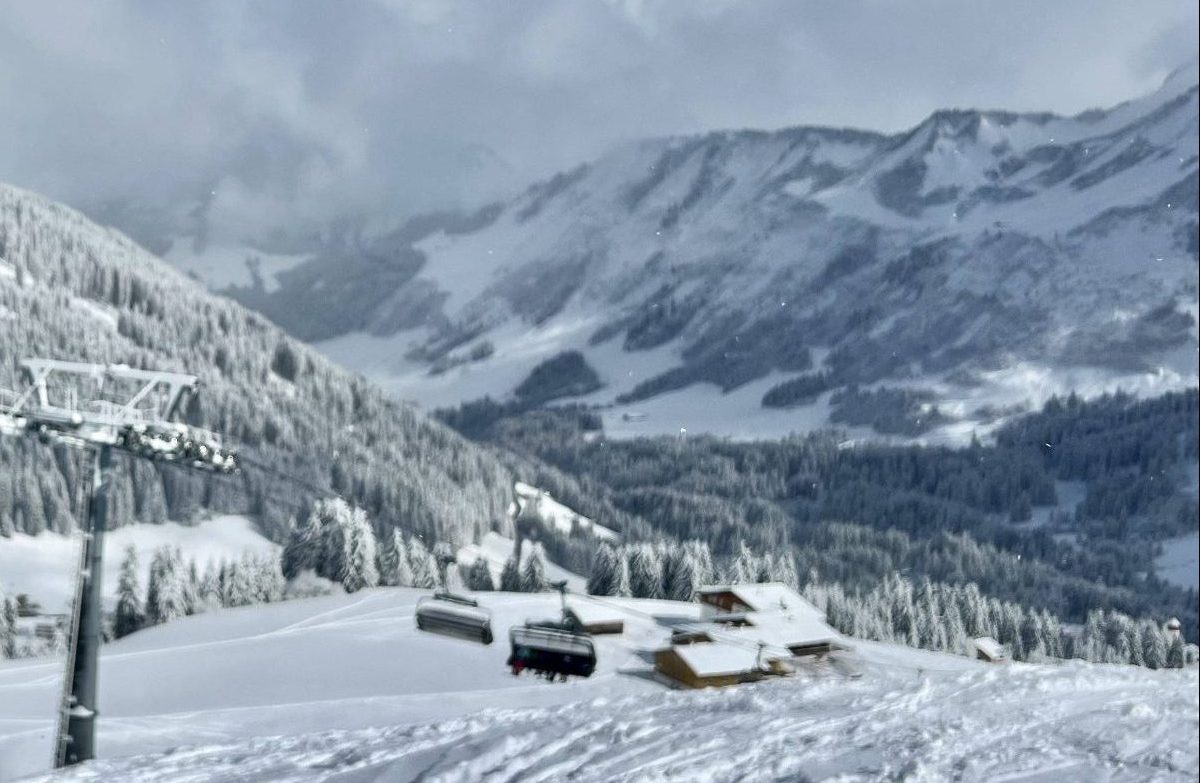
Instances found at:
x=70 y=289
x=748 y=283
x=365 y=696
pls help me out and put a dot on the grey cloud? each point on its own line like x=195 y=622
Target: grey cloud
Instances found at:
x=284 y=116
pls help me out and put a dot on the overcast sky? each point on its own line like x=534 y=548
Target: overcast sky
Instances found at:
x=276 y=113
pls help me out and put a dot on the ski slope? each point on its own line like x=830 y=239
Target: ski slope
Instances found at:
x=44 y=565
x=346 y=689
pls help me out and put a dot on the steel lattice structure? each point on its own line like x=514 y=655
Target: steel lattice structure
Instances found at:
x=102 y=408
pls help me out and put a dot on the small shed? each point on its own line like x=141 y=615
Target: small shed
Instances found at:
x=990 y=650
x=595 y=619
x=715 y=664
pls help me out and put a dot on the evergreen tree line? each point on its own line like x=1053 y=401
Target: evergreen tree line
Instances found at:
x=176 y=588
x=951 y=514
x=937 y=616
x=675 y=570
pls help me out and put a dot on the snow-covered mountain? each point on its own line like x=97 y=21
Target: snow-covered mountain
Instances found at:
x=356 y=693
x=979 y=262
x=72 y=290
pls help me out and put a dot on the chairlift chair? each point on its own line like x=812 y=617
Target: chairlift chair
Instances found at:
x=454 y=615
x=552 y=648
x=446 y=613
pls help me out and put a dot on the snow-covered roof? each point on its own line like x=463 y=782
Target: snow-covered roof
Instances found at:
x=786 y=629
x=590 y=612
x=990 y=647
x=712 y=659
x=766 y=597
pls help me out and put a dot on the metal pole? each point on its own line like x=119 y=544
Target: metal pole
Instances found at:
x=79 y=744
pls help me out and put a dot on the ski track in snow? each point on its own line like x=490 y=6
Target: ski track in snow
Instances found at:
x=1022 y=723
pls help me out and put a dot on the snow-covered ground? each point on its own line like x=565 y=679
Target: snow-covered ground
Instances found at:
x=44 y=566
x=496 y=549
x=346 y=689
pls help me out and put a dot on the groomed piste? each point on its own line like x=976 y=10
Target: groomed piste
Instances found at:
x=345 y=688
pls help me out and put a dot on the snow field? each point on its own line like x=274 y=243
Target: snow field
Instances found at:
x=344 y=688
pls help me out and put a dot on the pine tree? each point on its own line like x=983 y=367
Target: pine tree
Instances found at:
x=128 y=616
x=533 y=575
x=1154 y=647
x=303 y=550
x=358 y=558
x=404 y=571
x=744 y=568
x=510 y=576
x=166 y=595
x=603 y=577
x=645 y=571
x=701 y=555
x=423 y=566
x=272 y=585
x=189 y=582
x=389 y=558
x=684 y=580
x=209 y=594
x=8 y=627
x=1175 y=654
x=784 y=570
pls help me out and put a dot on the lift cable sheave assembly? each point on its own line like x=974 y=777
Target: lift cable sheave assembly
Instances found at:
x=100 y=408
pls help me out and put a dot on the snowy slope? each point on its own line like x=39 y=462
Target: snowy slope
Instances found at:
x=44 y=565
x=988 y=257
x=345 y=689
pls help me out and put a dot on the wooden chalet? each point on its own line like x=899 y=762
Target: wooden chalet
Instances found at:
x=717 y=664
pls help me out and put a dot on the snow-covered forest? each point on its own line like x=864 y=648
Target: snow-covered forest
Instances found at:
x=1004 y=516
x=73 y=290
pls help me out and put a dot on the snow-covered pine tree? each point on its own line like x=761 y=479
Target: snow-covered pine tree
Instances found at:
x=706 y=572
x=645 y=571
x=603 y=577
x=1175 y=653
x=189 y=581
x=128 y=616
x=623 y=588
x=154 y=580
x=272 y=585
x=241 y=583
x=8 y=627
x=510 y=575
x=533 y=575
x=1154 y=646
x=683 y=581
x=783 y=569
x=404 y=570
x=744 y=568
x=169 y=598
x=358 y=559
x=388 y=558
x=209 y=594
x=424 y=568
x=303 y=550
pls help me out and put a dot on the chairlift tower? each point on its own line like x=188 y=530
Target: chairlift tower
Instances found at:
x=102 y=408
